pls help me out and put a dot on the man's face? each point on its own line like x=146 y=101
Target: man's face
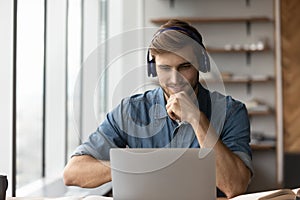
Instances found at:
x=175 y=74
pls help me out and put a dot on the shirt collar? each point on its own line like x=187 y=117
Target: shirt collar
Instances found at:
x=160 y=104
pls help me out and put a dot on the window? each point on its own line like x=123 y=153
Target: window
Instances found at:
x=53 y=40
x=30 y=58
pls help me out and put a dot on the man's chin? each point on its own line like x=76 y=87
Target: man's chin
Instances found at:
x=174 y=90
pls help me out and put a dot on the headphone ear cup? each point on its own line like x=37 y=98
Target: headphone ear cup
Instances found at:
x=151 y=68
x=204 y=63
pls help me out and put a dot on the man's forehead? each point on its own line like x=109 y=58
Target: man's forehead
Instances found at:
x=186 y=55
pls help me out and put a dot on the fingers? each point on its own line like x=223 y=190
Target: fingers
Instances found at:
x=173 y=107
x=170 y=109
x=172 y=115
x=180 y=107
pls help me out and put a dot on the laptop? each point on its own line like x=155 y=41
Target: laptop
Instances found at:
x=163 y=173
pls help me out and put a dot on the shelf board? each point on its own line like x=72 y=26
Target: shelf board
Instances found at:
x=259 y=112
x=223 y=50
x=240 y=80
x=262 y=147
x=249 y=80
x=214 y=19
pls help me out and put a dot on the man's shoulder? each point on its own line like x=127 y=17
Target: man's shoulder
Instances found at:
x=148 y=96
x=227 y=100
x=138 y=102
x=219 y=96
x=140 y=108
x=143 y=100
x=216 y=97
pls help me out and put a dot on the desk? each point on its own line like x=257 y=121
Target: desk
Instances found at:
x=66 y=198
x=251 y=196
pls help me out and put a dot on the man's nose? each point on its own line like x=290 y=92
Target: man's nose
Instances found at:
x=175 y=76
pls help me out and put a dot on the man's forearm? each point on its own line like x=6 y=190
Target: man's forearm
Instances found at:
x=86 y=171
x=231 y=173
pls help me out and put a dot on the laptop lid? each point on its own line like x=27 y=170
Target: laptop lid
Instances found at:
x=163 y=173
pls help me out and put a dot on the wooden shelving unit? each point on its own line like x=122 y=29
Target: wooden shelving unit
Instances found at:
x=238 y=79
x=250 y=32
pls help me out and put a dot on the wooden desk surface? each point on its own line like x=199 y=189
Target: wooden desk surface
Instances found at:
x=250 y=196
x=41 y=198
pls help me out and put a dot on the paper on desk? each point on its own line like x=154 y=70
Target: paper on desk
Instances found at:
x=252 y=196
x=91 y=197
x=255 y=196
x=95 y=197
x=64 y=198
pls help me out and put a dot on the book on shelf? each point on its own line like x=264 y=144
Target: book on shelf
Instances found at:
x=240 y=77
x=260 y=77
x=259 y=108
x=261 y=138
x=255 y=105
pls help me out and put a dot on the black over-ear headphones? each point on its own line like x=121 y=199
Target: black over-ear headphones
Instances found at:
x=204 y=64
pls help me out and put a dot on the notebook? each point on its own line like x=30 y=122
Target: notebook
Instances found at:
x=163 y=173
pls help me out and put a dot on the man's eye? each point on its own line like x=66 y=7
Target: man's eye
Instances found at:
x=164 y=68
x=187 y=66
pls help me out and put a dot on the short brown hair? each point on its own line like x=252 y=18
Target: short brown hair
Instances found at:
x=173 y=35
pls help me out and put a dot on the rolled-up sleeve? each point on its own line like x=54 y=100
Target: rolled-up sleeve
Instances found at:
x=108 y=135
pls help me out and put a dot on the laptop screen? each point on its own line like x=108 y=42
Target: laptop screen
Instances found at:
x=163 y=173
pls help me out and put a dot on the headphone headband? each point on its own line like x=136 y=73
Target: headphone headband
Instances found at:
x=188 y=33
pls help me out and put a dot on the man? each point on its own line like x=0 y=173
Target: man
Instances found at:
x=180 y=113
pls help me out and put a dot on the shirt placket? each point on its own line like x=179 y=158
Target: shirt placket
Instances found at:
x=176 y=139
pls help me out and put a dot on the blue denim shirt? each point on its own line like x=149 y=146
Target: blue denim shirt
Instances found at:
x=141 y=121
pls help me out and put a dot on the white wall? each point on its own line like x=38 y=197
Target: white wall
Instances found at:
x=6 y=62
x=127 y=49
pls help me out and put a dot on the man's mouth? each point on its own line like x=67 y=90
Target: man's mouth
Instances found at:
x=176 y=88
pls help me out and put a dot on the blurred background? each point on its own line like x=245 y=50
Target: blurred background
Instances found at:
x=65 y=63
